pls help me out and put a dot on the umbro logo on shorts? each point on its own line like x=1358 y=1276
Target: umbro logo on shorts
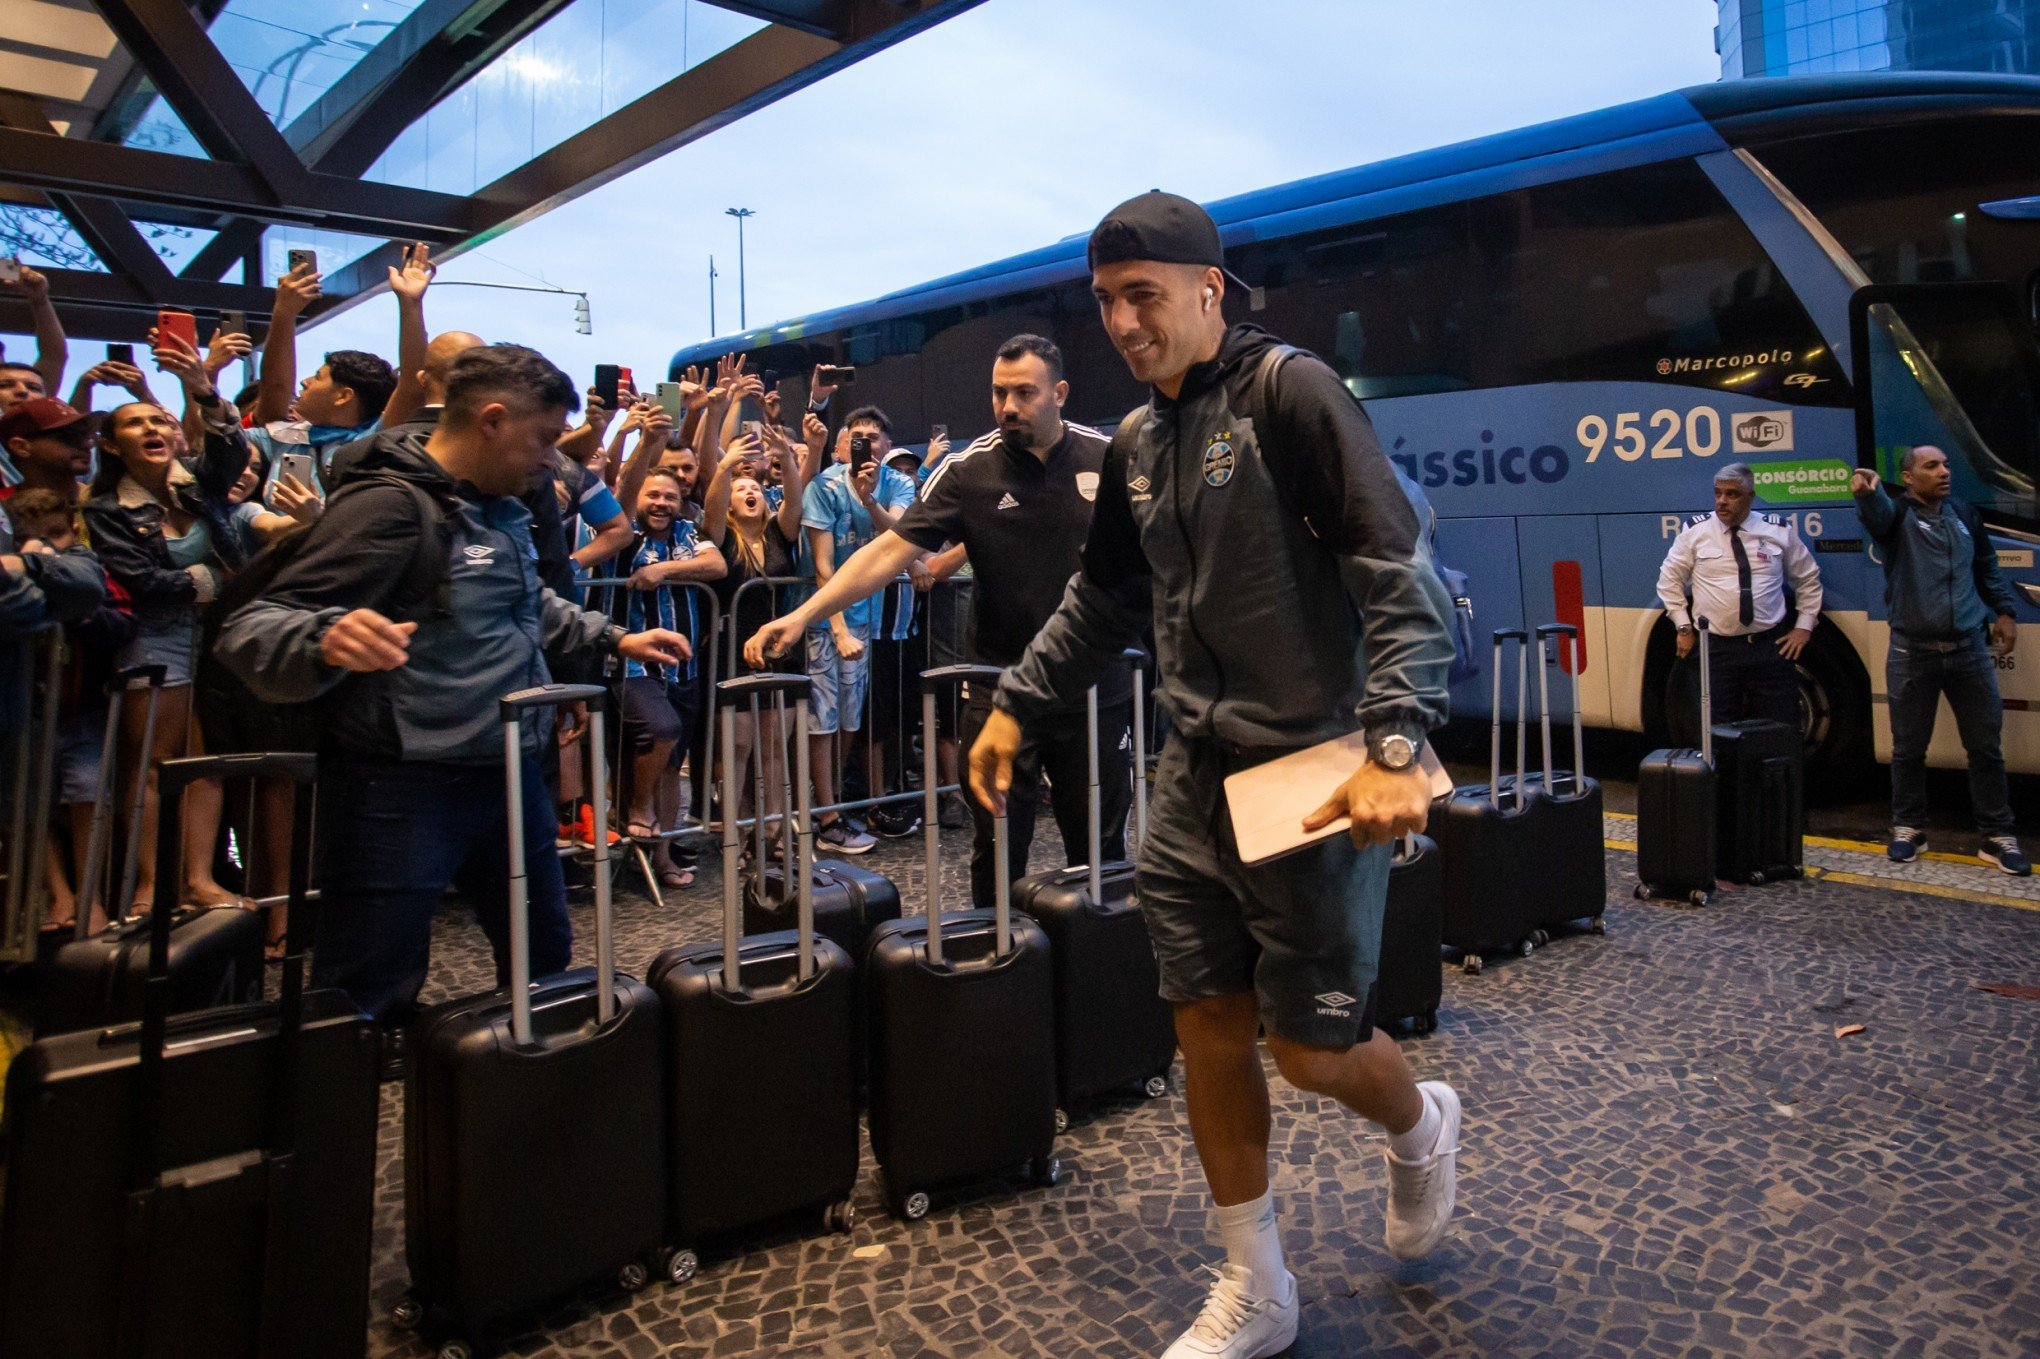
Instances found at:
x=478 y=552
x=1140 y=489
x=1334 y=1003
x=1007 y=502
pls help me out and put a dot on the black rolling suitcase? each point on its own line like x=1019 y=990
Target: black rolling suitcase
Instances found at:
x=761 y=1039
x=1410 y=983
x=534 y=1116
x=1676 y=812
x=961 y=1013
x=197 y=1186
x=1574 y=881
x=215 y=953
x=1489 y=839
x=1760 y=793
x=1112 y=1027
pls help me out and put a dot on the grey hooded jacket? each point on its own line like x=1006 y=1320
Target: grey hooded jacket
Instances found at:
x=1261 y=528
x=440 y=705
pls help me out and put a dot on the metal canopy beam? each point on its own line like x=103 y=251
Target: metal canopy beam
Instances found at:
x=205 y=90
x=432 y=53
x=256 y=176
x=42 y=161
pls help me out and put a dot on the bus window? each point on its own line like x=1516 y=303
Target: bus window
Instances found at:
x=1903 y=199
x=1955 y=366
x=1638 y=275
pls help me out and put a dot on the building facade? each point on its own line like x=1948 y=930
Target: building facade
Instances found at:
x=1812 y=37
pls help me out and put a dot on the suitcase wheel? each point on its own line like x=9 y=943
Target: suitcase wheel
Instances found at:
x=408 y=1312
x=1046 y=1170
x=840 y=1217
x=1597 y=926
x=1757 y=879
x=679 y=1265
x=914 y=1207
x=1470 y=964
x=632 y=1277
x=1156 y=1087
x=1424 y=1023
x=1642 y=892
x=1062 y=1121
x=1526 y=947
x=1700 y=898
x=1540 y=937
x=456 y=1349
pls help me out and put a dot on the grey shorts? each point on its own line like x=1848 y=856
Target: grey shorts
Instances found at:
x=1303 y=932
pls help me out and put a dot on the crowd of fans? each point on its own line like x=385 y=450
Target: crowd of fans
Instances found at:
x=360 y=560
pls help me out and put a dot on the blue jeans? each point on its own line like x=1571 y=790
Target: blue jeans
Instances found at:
x=391 y=838
x=1918 y=674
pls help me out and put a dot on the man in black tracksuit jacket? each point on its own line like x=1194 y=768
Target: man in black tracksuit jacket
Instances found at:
x=1251 y=515
x=409 y=609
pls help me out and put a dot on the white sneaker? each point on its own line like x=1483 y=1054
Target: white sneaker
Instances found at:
x=1421 y=1192
x=1237 y=1325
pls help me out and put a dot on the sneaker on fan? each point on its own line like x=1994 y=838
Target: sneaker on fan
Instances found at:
x=1421 y=1192
x=1235 y=1324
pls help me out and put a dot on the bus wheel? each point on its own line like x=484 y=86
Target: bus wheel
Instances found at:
x=1834 y=709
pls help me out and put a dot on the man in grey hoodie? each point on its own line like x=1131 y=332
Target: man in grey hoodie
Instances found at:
x=1248 y=511
x=409 y=608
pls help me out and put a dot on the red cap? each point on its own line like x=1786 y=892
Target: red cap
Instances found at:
x=38 y=415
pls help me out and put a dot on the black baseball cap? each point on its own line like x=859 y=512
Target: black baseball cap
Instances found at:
x=1163 y=227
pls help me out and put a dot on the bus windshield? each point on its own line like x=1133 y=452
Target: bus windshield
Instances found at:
x=1956 y=366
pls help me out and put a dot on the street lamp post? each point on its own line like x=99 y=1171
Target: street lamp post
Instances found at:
x=743 y=319
x=711 y=294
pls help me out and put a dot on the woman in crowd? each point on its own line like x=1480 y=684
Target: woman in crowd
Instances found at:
x=162 y=523
x=759 y=542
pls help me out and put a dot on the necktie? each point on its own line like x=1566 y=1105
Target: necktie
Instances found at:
x=1748 y=609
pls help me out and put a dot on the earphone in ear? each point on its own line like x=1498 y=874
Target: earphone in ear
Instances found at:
x=1209 y=293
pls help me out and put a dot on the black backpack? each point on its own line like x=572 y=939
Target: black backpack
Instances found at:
x=426 y=591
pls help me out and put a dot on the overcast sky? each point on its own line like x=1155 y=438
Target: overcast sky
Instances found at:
x=1019 y=123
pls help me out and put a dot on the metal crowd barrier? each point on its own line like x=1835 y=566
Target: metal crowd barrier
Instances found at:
x=30 y=786
x=734 y=651
x=712 y=633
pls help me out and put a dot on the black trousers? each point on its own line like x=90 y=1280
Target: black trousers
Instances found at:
x=1747 y=678
x=1055 y=746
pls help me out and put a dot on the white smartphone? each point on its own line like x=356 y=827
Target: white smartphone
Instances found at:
x=10 y=269
x=299 y=465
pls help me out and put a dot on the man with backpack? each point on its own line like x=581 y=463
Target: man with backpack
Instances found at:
x=1336 y=620
x=404 y=614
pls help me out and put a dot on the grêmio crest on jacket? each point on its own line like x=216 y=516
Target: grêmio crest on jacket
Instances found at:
x=1219 y=458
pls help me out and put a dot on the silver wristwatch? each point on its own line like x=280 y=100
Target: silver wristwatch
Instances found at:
x=1395 y=752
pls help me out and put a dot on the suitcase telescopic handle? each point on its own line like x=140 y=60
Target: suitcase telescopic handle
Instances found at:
x=1522 y=640
x=944 y=675
x=1137 y=659
x=763 y=684
x=1706 y=697
x=511 y=709
x=174 y=776
x=152 y=676
x=1571 y=646
x=514 y=706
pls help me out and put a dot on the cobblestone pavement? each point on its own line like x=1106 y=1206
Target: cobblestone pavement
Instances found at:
x=1667 y=1151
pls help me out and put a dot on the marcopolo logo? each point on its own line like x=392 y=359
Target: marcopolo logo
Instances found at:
x=1720 y=363
x=1762 y=432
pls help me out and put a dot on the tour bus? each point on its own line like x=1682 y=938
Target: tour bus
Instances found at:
x=1560 y=332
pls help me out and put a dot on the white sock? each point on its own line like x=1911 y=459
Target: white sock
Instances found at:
x=1248 y=1231
x=1417 y=1143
